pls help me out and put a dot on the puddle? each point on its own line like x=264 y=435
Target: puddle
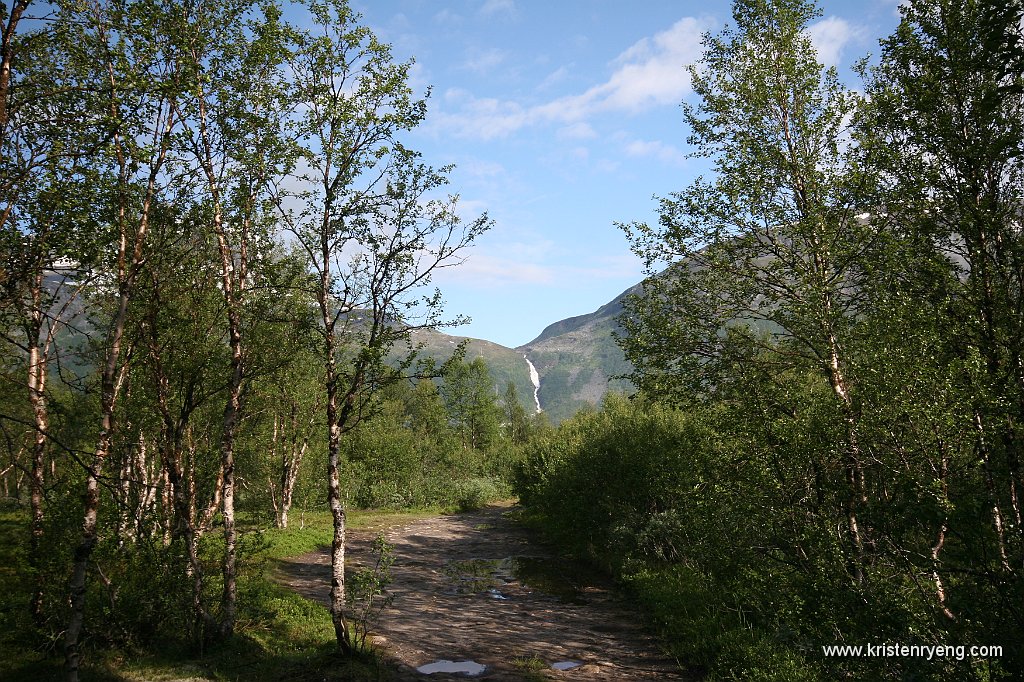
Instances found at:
x=476 y=576
x=487 y=576
x=565 y=665
x=468 y=668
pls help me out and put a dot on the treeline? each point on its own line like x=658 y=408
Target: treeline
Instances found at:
x=216 y=251
x=826 y=444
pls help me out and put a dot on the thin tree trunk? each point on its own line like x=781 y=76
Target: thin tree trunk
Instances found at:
x=7 y=56
x=341 y=630
x=37 y=365
x=87 y=542
x=291 y=460
x=856 y=494
x=233 y=288
x=337 y=507
x=288 y=478
x=997 y=515
x=130 y=258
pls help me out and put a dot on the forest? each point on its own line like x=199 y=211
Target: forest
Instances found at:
x=217 y=253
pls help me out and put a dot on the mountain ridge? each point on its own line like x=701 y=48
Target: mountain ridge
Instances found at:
x=576 y=360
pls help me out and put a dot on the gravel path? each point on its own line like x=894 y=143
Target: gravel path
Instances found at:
x=475 y=587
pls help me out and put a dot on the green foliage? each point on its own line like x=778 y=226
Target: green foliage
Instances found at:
x=469 y=396
x=411 y=454
x=840 y=307
x=475 y=493
x=367 y=593
x=713 y=521
x=516 y=423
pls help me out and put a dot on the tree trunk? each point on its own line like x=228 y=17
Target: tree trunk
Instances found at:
x=341 y=631
x=87 y=542
x=7 y=56
x=37 y=365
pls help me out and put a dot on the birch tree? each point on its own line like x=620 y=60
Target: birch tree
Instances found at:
x=232 y=122
x=374 y=226
x=132 y=73
x=761 y=262
x=947 y=131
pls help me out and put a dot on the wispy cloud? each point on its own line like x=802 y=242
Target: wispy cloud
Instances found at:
x=650 y=73
x=482 y=61
x=446 y=16
x=496 y=7
x=483 y=270
x=657 y=149
x=554 y=78
x=581 y=130
x=492 y=270
x=831 y=35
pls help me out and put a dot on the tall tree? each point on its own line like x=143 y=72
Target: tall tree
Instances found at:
x=516 y=420
x=947 y=129
x=372 y=226
x=233 y=120
x=770 y=249
x=132 y=71
x=50 y=202
x=472 y=402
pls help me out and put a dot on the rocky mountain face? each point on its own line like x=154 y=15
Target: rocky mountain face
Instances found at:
x=574 y=361
x=577 y=360
x=570 y=365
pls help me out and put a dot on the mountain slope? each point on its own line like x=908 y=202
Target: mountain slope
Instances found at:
x=577 y=359
x=505 y=364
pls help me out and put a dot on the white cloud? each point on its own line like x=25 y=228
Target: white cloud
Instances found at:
x=521 y=263
x=554 y=78
x=830 y=37
x=493 y=7
x=508 y=262
x=581 y=130
x=483 y=270
x=657 y=149
x=480 y=168
x=651 y=71
x=621 y=266
x=483 y=118
x=446 y=16
x=483 y=61
x=648 y=74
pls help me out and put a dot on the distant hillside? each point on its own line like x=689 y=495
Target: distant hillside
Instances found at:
x=505 y=364
x=577 y=358
x=574 y=358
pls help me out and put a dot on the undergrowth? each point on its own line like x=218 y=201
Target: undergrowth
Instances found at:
x=279 y=634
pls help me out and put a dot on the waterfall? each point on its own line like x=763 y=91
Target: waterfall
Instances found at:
x=535 y=378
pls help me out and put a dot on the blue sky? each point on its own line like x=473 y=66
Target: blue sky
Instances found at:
x=563 y=117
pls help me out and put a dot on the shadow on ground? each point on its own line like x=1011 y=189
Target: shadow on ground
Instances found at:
x=475 y=587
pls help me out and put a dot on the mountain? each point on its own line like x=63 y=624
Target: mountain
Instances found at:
x=505 y=364
x=577 y=359
x=574 y=359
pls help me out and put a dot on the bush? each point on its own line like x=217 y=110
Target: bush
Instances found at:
x=474 y=493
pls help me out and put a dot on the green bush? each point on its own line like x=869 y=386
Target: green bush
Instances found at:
x=474 y=493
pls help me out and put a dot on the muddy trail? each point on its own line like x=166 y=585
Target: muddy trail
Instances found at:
x=475 y=597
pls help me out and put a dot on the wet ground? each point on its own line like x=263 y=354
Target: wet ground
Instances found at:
x=476 y=598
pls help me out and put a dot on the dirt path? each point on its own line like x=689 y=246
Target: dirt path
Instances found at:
x=473 y=587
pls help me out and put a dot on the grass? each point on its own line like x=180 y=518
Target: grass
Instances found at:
x=279 y=635
x=531 y=668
